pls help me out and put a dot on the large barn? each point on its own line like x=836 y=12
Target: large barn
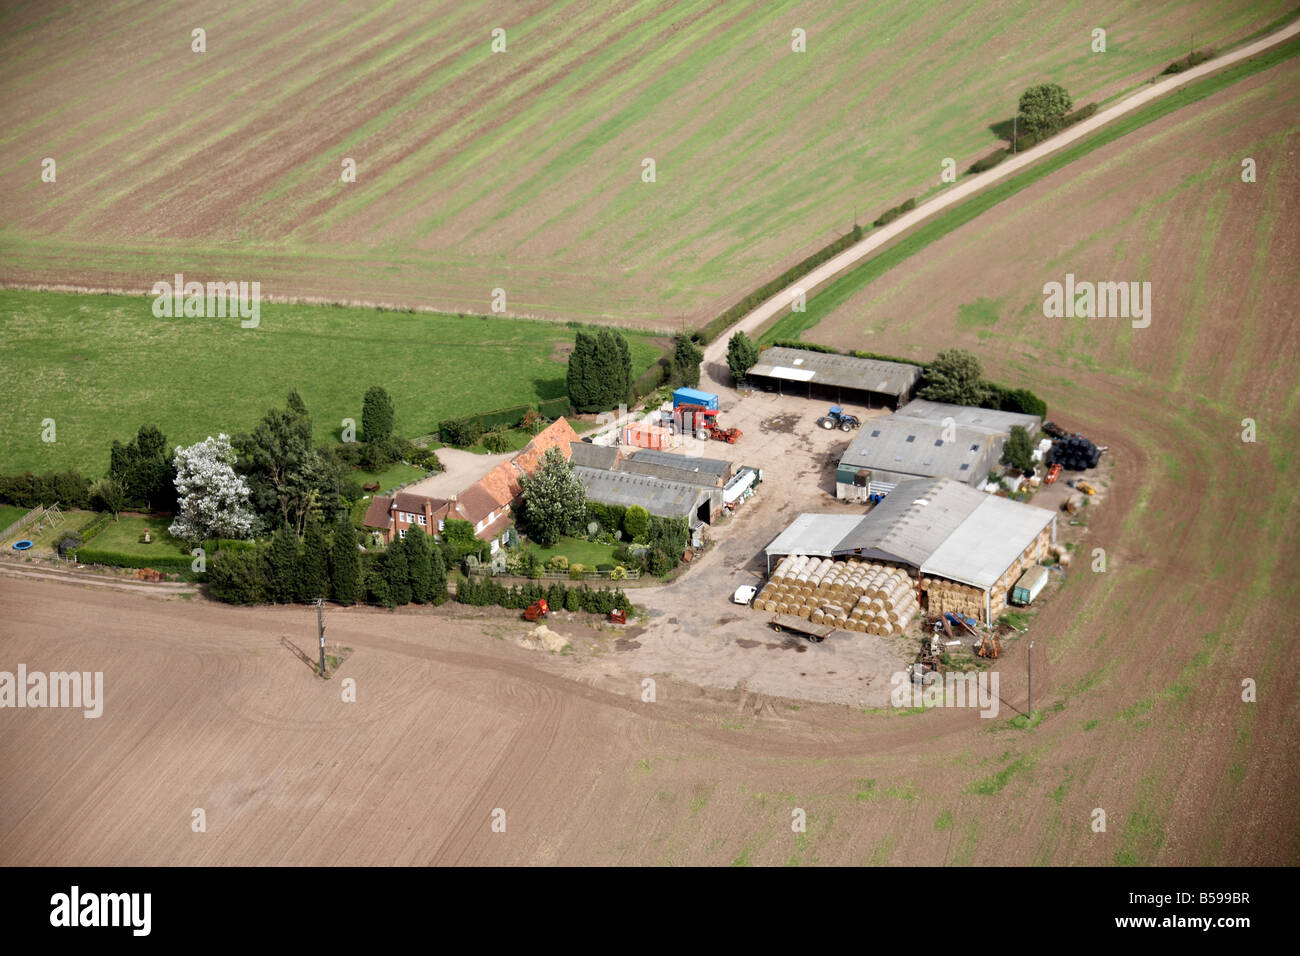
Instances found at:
x=925 y=440
x=836 y=378
x=963 y=548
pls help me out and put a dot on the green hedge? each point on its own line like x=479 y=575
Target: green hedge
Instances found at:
x=120 y=559
x=93 y=527
x=889 y=215
x=554 y=407
x=880 y=357
x=806 y=346
x=768 y=289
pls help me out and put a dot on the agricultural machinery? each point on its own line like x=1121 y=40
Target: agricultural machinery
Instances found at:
x=838 y=418
x=696 y=419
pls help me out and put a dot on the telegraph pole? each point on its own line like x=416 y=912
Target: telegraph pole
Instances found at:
x=320 y=629
x=1031 y=681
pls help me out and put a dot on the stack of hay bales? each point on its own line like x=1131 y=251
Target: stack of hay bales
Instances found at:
x=853 y=595
x=949 y=596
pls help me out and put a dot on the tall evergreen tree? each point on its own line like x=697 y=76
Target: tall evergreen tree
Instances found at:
x=144 y=470
x=686 y=361
x=437 y=577
x=742 y=355
x=313 y=566
x=626 y=379
x=419 y=565
x=282 y=567
x=377 y=415
x=580 y=379
x=612 y=370
x=399 y=572
x=345 y=563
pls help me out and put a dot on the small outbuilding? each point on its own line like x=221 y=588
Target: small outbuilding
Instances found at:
x=837 y=378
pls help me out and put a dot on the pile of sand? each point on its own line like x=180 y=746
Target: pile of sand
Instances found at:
x=543 y=638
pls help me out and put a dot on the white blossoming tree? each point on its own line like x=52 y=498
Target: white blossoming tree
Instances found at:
x=212 y=501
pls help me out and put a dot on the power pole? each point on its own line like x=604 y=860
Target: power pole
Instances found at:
x=1031 y=681
x=320 y=629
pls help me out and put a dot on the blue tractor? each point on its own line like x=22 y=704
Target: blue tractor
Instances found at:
x=838 y=418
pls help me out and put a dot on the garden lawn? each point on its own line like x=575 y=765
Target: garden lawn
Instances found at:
x=123 y=535
x=392 y=476
x=11 y=513
x=578 y=551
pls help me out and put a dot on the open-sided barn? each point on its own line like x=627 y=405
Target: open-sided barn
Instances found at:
x=837 y=378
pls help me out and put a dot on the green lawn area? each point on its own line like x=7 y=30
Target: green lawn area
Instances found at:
x=124 y=535
x=44 y=542
x=102 y=365
x=11 y=513
x=392 y=476
x=577 y=550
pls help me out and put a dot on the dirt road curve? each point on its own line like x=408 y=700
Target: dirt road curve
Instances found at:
x=715 y=354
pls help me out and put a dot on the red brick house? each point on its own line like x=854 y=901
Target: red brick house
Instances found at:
x=486 y=504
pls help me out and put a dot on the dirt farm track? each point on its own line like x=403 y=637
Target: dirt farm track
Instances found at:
x=205 y=709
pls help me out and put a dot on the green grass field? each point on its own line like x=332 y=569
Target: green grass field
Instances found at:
x=578 y=551
x=100 y=366
x=124 y=535
x=11 y=513
x=523 y=169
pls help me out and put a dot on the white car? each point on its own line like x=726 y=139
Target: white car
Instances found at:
x=744 y=594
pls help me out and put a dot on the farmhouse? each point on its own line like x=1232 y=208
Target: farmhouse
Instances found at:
x=925 y=439
x=837 y=378
x=486 y=504
x=961 y=548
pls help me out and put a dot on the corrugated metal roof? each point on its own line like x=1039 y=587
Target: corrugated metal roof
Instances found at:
x=658 y=496
x=912 y=522
x=915 y=447
x=710 y=466
x=814 y=534
x=988 y=541
x=593 y=456
x=655 y=470
x=992 y=420
x=845 y=371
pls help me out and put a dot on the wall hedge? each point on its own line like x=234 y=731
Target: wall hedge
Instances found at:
x=121 y=559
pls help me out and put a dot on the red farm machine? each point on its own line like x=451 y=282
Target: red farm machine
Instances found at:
x=698 y=421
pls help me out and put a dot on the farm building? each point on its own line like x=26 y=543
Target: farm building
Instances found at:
x=925 y=440
x=963 y=548
x=594 y=456
x=836 y=378
x=688 y=468
x=659 y=496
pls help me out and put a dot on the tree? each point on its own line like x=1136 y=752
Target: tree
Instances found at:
x=636 y=523
x=554 y=501
x=623 y=393
x=107 y=494
x=399 y=571
x=345 y=563
x=437 y=577
x=313 y=567
x=954 y=377
x=237 y=577
x=419 y=565
x=212 y=499
x=685 y=369
x=1019 y=450
x=282 y=567
x=377 y=415
x=580 y=380
x=459 y=534
x=742 y=355
x=286 y=476
x=1043 y=108
x=143 y=469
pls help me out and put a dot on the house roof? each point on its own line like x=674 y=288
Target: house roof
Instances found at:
x=559 y=434
x=495 y=528
x=377 y=514
x=713 y=467
x=845 y=371
x=405 y=501
x=502 y=483
x=657 y=495
x=593 y=456
x=476 y=503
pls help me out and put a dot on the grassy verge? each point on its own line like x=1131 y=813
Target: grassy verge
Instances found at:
x=831 y=297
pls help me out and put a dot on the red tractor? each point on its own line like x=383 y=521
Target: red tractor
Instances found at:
x=537 y=610
x=693 y=419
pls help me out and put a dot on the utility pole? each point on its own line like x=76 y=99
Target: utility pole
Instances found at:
x=1031 y=681
x=320 y=629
